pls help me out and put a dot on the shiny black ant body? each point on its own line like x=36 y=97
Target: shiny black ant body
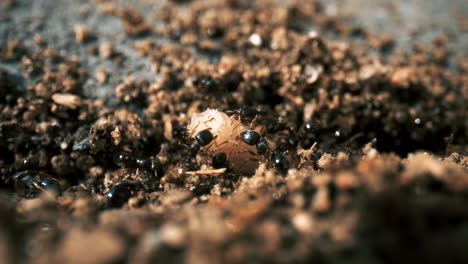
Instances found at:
x=30 y=183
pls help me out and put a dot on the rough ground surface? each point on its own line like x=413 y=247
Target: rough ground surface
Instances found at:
x=362 y=103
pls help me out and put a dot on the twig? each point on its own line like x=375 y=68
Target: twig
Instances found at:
x=206 y=172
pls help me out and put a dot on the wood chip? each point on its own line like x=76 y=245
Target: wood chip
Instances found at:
x=68 y=100
x=206 y=172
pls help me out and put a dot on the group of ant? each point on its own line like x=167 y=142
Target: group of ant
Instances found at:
x=251 y=138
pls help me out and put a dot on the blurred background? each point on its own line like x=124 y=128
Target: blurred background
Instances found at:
x=407 y=21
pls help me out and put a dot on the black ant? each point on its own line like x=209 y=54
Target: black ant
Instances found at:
x=204 y=137
x=246 y=113
x=119 y=195
x=126 y=159
x=29 y=183
x=219 y=160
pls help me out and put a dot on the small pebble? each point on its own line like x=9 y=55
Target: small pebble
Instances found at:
x=255 y=40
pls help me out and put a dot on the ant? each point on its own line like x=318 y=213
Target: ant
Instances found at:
x=126 y=159
x=245 y=114
x=29 y=183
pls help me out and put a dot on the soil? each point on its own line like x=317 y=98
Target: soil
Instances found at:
x=360 y=109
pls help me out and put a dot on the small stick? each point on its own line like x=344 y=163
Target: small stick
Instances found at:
x=206 y=172
x=307 y=154
x=311 y=150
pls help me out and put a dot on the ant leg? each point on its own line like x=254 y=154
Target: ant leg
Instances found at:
x=253 y=121
x=236 y=126
x=225 y=142
x=209 y=120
